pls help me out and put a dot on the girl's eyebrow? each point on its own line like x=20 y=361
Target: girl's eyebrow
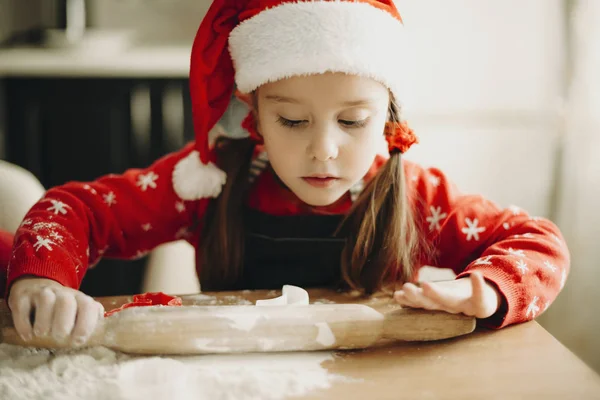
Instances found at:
x=283 y=99
x=360 y=102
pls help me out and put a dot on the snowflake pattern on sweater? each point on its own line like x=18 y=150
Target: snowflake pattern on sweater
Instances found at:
x=524 y=256
x=126 y=216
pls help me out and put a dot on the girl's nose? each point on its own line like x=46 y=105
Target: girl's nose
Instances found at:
x=323 y=146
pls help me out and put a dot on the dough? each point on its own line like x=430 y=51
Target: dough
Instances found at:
x=290 y=295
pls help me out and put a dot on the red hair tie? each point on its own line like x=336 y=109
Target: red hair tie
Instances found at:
x=249 y=124
x=399 y=137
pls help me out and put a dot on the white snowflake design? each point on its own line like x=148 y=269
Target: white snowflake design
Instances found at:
x=533 y=308
x=110 y=198
x=525 y=235
x=473 y=230
x=57 y=207
x=146 y=181
x=522 y=266
x=180 y=206
x=434 y=180
x=563 y=278
x=91 y=189
x=56 y=236
x=515 y=210
x=516 y=253
x=550 y=266
x=435 y=218
x=147 y=227
x=26 y=222
x=41 y=242
x=557 y=239
x=506 y=225
x=38 y=226
x=484 y=261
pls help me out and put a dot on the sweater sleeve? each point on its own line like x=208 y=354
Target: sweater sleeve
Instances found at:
x=119 y=216
x=523 y=256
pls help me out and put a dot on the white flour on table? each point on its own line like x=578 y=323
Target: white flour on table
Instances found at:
x=99 y=373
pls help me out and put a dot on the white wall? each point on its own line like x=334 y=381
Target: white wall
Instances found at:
x=574 y=318
x=484 y=87
x=467 y=55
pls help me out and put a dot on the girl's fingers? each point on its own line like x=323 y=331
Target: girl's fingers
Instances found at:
x=44 y=301
x=411 y=292
x=21 y=311
x=86 y=320
x=400 y=297
x=443 y=298
x=416 y=296
x=478 y=285
x=481 y=300
x=101 y=310
x=470 y=296
x=65 y=312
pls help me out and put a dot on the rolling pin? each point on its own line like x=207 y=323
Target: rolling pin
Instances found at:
x=240 y=329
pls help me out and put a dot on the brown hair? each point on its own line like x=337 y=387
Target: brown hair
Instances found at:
x=382 y=238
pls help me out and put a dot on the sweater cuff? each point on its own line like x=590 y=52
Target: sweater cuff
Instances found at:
x=507 y=313
x=62 y=274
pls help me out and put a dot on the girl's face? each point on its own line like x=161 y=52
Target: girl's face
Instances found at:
x=322 y=132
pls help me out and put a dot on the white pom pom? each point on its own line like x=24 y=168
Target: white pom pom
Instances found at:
x=193 y=180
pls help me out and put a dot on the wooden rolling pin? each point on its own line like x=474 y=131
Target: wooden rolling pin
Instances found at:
x=238 y=329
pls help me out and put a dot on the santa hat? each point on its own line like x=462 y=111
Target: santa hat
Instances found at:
x=252 y=42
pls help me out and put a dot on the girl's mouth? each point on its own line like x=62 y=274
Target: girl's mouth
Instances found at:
x=320 y=181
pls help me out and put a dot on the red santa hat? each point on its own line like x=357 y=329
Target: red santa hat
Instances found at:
x=247 y=43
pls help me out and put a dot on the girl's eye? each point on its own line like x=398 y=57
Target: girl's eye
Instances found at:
x=354 y=124
x=290 y=123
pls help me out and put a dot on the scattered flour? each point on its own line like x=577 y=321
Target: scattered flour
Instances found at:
x=206 y=300
x=323 y=301
x=200 y=297
x=99 y=373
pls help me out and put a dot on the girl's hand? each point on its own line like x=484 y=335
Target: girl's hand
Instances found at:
x=470 y=296
x=64 y=313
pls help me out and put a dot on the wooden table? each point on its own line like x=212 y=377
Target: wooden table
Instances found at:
x=518 y=362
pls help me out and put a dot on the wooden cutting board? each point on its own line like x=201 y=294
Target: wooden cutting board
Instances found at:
x=247 y=328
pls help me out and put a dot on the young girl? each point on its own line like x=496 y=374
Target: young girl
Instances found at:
x=307 y=199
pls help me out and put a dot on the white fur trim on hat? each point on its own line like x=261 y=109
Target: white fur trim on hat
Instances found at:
x=193 y=180
x=315 y=37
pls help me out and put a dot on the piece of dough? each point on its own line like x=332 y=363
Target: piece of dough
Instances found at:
x=290 y=295
x=295 y=295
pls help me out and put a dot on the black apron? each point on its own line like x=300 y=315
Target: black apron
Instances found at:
x=291 y=250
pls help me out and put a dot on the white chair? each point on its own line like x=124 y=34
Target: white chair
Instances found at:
x=19 y=191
